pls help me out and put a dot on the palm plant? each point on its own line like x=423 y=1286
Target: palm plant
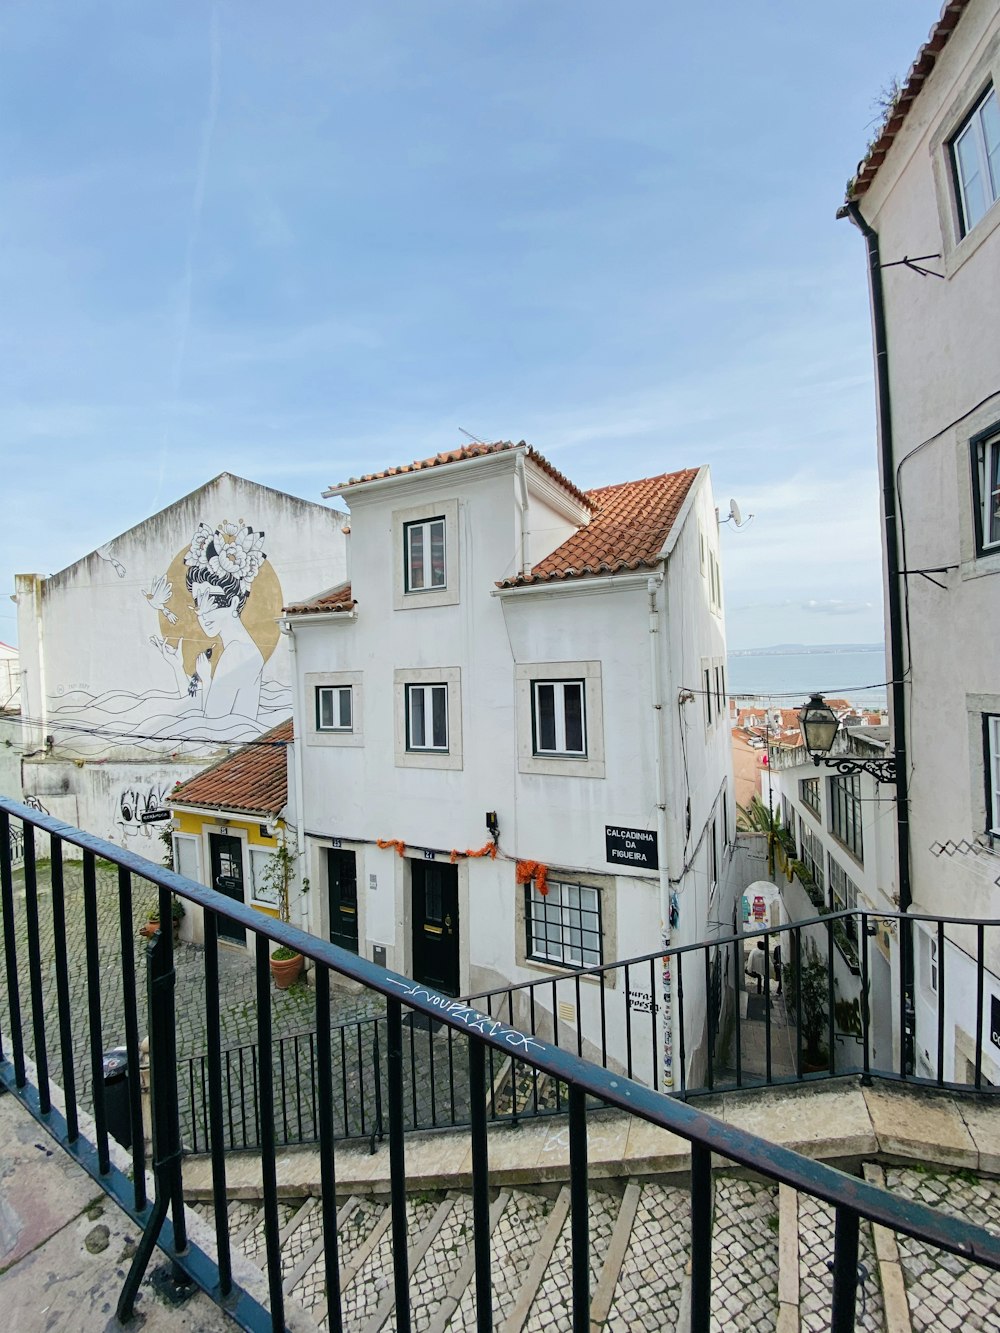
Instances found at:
x=756 y=817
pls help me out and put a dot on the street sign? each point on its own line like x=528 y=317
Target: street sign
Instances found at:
x=156 y=816
x=631 y=847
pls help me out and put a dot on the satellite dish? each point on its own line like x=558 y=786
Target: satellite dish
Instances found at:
x=734 y=513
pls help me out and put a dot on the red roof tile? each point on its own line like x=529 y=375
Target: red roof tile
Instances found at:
x=254 y=780
x=631 y=522
x=467 y=451
x=337 y=599
x=912 y=84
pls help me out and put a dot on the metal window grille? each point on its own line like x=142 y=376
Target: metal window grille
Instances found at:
x=845 y=813
x=564 y=924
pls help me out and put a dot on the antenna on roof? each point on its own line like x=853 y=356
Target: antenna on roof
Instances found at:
x=474 y=438
x=735 y=516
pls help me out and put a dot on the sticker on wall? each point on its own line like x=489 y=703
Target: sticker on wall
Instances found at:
x=216 y=606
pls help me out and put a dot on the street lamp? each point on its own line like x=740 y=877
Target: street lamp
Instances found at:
x=818 y=724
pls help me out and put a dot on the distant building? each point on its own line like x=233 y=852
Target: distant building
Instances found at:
x=149 y=658
x=10 y=679
x=927 y=199
x=512 y=752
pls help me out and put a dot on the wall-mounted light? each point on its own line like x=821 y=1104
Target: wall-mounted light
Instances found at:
x=493 y=825
x=819 y=726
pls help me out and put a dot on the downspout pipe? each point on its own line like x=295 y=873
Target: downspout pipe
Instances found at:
x=893 y=576
x=522 y=509
x=298 y=778
x=653 y=586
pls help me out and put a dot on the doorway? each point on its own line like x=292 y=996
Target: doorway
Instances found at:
x=227 y=877
x=342 y=883
x=435 y=925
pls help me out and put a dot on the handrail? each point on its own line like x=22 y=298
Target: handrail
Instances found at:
x=698 y=1127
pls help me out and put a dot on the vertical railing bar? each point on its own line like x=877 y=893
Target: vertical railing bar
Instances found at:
x=10 y=947
x=63 y=1000
x=493 y=1078
x=243 y=1101
x=217 y=1147
x=652 y=1024
x=701 y=1238
x=628 y=1024
x=376 y=1072
x=283 y=1083
x=865 y=942
x=167 y=1041
x=229 y=1098
x=268 y=1166
x=579 y=1019
x=555 y=1038
x=798 y=1000
x=534 y=1070
x=940 y=1003
x=579 y=1206
x=739 y=985
x=830 y=1011
x=343 y=1080
x=91 y=950
x=980 y=944
x=430 y=1061
x=328 y=1182
x=604 y=1021
x=845 y=1270
x=191 y=1104
x=905 y=941
x=313 y=1108
x=397 y=1163
x=256 y=1068
x=514 y=1064
x=767 y=1007
x=710 y=1061
x=679 y=960
x=451 y=1074
x=413 y=1069
x=480 y=1186
x=35 y=974
x=126 y=926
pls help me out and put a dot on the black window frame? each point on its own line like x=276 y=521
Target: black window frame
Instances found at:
x=534 y=901
x=807 y=787
x=991 y=757
x=965 y=227
x=979 y=445
x=408 y=689
x=407 y=570
x=845 y=813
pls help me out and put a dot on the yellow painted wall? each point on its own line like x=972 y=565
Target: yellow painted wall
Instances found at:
x=186 y=821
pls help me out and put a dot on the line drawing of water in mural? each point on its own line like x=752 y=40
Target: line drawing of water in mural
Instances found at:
x=217 y=606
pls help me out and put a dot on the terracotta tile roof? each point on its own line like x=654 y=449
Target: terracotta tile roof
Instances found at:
x=468 y=451
x=254 y=780
x=337 y=599
x=912 y=84
x=630 y=525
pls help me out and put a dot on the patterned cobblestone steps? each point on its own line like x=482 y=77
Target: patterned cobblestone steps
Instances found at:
x=771 y=1257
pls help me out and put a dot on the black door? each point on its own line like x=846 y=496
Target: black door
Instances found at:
x=227 y=877
x=435 y=925
x=342 y=877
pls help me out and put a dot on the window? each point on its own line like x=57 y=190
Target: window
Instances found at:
x=560 y=722
x=845 y=813
x=424 y=555
x=713 y=854
x=334 y=710
x=844 y=893
x=427 y=717
x=975 y=152
x=811 y=854
x=708 y=696
x=564 y=924
x=809 y=794
x=427 y=726
x=986 y=490
x=929 y=962
x=558 y=717
x=991 y=739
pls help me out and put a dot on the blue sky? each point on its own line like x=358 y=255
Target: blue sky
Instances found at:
x=297 y=242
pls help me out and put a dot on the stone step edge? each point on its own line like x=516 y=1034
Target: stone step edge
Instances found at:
x=789 y=1311
x=414 y=1257
x=533 y=1278
x=895 y=1304
x=317 y=1248
x=607 y=1282
x=465 y=1274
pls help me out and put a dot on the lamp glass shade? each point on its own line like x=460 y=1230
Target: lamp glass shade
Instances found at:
x=819 y=725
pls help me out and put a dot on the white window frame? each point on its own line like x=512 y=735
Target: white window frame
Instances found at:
x=589 y=765
x=192 y=843
x=337 y=693
x=426 y=527
x=561 y=748
x=574 y=922
x=992 y=756
x=430 y=698
x=262 y=894
x=337 y=680
x=972 y=133
x=450 y=679
x=404 y=521
x=986 y=461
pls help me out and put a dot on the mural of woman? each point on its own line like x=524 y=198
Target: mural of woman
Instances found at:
x=220 y=568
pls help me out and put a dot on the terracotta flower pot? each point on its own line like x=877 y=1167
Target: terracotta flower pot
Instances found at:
x=286 y=970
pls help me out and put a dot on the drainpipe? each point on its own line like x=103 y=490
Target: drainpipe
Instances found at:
x=297 y=775
x=664 y=857
x=884 y=400
x=522 y=509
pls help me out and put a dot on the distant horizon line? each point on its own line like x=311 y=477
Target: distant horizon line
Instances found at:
x=790 y=649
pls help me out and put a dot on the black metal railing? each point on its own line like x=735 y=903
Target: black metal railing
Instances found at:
x=32 y=1051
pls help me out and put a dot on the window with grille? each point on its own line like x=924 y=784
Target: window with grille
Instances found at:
x=809 y=794
x=564 y=924
x=845 y=812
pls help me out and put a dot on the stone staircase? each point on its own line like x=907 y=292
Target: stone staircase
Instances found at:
x=770 y=1254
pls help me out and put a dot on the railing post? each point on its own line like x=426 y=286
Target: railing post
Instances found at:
x=579 y=1204
x=480 y=1186
x=701 y=1238
x=10 y=950
x=845 y=1271
x=397 y=1165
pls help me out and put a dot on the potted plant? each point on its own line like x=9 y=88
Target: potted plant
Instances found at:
x=807 y=992
x=153 y=920
x=286 y=963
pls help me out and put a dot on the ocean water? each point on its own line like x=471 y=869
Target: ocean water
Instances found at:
x=787 y=679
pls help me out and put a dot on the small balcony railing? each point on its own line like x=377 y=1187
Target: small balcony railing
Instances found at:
x=32 y=1042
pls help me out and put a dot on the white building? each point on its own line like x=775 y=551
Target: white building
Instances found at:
x=509 y=645
x=844 y=831
x=145 y=660
x=929 y=192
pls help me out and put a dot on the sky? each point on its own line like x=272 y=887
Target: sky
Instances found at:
x=304 y=241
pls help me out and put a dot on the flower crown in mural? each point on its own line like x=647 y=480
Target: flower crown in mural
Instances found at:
x=232 y=550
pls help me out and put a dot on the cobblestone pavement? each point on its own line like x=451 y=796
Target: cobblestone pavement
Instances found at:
x=554 y=1296
x=512 y=1248
x=816 y=1227
x=744 y=1256
x=943 y=1291
x=649 y=1285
